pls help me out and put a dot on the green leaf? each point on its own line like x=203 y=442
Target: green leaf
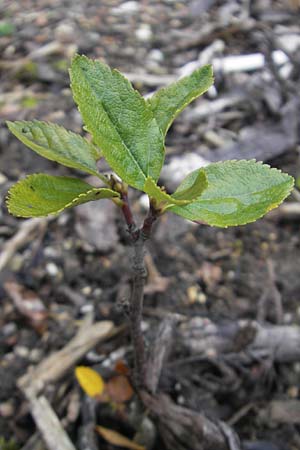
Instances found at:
x=180 y=197
x=156 y=192
x=194 y=190
x=119 y=119
x=57 y=144
x=39 y=195
x=238 y=192
x=168 y=102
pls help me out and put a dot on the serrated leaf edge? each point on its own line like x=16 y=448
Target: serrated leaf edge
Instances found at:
x=179 y=110
x=10 y=195
x=274 y=205
x=96 y=153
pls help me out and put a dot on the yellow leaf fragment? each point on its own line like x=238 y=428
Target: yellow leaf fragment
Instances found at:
x=115 y=438
x=91 y=382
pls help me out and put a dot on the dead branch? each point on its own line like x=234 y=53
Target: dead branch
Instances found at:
x=51 y=369
x=48 y=424
x=160 y=352
x=23 y=235
x=184 y=429
x=247 y=339
x=57 y=364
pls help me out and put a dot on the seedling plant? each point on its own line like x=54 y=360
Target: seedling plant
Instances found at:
x=129 y=131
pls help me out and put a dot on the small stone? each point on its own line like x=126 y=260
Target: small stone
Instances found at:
x=211 y=353
x=297 y=367
x=97 y=293
x=41 y=20
x=3 y=178
x=192 y=293
x=35 y=355
x=144 y=33
x=8 y=329
x=87 y=308
x=202 y=298
x=289 y=42
x=68 y=244
x=156 y=55
x=86 y=290
x=7 y=409
x=51 y=252
x=52 y=269
x=288 y=318
x=293 y=392
x=126 y=8
x=65 y=33
x=21 y=351
x=180 y=400
x=144 y=326
x=230 y=275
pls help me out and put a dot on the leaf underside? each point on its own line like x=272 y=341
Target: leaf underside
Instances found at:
x=238 y=192
x=57 y=144
x=39 y=195
x=183 y=197
x=168 y=102
x=119 y=119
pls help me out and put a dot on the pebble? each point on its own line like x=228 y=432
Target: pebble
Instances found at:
x=293 y=392
x=97 y=293
x=9 y=329
x=65 y=33
x=288 y=318
x=86 y=290
x=177 y=387
x=35 y=355
x=52 y=269
x=180 y=400
x=126 y=8
x=51 y=252
x=156 y=55
x=21 y=351
x=7 y=409
x=144 y=326
x=289 y=42
x=87 y=308
x=3 y=178
x=144 y=33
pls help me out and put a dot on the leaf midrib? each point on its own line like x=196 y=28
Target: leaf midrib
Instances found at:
x=118 y=133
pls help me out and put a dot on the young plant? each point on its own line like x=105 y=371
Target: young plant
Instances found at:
x=129 y=132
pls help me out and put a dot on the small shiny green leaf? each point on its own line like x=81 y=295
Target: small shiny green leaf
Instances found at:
x=169 y=101
x=160 y=195
x=119 y=119
x=194 y=190
x=39 y=195
x=181 y=196
x=238 y=192
x=57 y=144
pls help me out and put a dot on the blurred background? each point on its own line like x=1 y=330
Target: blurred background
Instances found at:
x=55 y=272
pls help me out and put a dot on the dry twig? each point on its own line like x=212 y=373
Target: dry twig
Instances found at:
x=22 y=237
